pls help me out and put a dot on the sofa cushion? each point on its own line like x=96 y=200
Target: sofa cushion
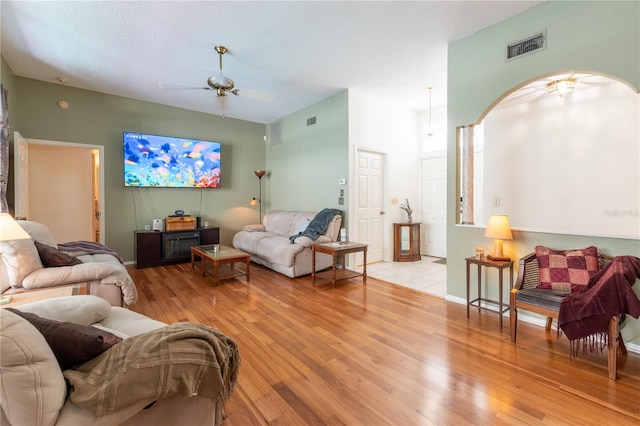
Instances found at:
x=281 y=222
x=278 y=250
x=38 y=232
x=566 y=270
x=20 y=259
x=71 y=343
x=52 y=257
x=82 y=309
x=33 y=388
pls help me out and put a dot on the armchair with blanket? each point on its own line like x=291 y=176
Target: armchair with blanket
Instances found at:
x=40 y=262
x=588 y=293
x=77 y=360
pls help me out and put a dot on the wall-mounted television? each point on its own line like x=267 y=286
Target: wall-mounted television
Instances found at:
x=168 y=162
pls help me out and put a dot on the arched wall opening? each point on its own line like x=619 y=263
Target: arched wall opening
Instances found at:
x=554 y=164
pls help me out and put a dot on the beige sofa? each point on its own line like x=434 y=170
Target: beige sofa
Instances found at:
x=269 y=244
x=33 y=387
x=23 y=268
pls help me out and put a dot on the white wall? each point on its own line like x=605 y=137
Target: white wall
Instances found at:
x=388 y=129
x=571 y=163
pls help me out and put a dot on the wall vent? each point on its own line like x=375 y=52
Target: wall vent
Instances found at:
x=311 y=121
x=276 y=133
x=528 y=45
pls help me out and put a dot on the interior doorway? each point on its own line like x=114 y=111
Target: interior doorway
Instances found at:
x=369 y=208
x=434 y=205
x=60 y=184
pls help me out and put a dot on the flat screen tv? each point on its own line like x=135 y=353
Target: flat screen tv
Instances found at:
x=169 y=162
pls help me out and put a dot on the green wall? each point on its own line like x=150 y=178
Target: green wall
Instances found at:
x=99 y=119
x=303 y=170
x=601 y=37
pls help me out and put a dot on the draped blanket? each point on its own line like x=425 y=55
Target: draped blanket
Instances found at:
x=318 y=225
x=584 y=316
x=76 y=248
x=184 y=359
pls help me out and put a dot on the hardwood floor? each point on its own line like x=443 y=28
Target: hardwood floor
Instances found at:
x=384 y=354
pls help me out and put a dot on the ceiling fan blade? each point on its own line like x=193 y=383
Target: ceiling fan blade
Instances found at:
x=181 y=87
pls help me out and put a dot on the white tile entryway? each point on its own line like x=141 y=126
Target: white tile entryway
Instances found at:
x=428 y=274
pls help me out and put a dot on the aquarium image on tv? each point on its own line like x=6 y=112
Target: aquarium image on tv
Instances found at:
x=170 y=162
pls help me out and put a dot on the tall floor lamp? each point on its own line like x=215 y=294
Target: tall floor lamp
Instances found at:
x=258 y=201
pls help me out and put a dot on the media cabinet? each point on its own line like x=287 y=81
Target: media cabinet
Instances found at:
x=156 y=248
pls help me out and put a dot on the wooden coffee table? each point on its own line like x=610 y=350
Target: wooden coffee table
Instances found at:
x=337 y=250
x=223 y=259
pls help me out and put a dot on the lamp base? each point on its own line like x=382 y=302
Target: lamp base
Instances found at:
x=498 y=259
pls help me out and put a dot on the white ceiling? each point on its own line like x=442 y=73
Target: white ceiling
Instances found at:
x=283 y=56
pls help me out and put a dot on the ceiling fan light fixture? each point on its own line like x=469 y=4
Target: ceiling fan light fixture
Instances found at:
x=561 y=87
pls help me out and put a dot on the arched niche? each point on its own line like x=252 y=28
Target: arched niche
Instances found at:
x=567 y=164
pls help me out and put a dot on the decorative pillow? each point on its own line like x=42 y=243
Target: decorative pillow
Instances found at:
x=38 y=232
x=71 y=343
x=52 y=257
x=568 y=270
x=33 y=388
x=20 y=258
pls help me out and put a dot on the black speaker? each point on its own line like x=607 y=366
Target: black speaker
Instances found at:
x=198 y=222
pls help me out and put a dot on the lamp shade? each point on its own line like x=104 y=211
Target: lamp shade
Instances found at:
x=498 y=227
x=10 y=230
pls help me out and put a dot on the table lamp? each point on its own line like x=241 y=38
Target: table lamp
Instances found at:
x=498 y=229
x=9 y=231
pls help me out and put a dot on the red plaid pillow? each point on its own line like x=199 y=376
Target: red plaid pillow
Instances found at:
x=566 y=269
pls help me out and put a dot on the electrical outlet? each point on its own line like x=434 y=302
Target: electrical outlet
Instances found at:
x=496 y=201
x=394 y=201
x=341 y=201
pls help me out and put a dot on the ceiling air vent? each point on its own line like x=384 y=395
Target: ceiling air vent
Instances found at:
x=276 y=133
x=531 y=44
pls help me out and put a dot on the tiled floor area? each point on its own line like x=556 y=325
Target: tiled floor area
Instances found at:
x=428 y=275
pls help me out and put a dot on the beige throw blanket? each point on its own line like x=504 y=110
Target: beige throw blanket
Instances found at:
x=181 y=359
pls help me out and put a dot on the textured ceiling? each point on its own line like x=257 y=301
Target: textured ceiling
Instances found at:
x=283 y=56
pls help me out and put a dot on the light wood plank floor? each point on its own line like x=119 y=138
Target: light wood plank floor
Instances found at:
x=384 y=354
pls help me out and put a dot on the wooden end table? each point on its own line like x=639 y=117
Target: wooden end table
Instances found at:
x=500 y=266
x=218 y=256
x=336 y=250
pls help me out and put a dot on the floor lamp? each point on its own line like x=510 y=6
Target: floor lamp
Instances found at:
x=258 y=201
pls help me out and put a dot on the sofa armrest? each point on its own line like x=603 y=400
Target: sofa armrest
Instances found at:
x=84 y=309
x=254 y=228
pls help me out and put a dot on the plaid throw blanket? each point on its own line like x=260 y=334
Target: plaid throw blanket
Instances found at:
x=77 y=248
x=181 y=359
x=584 y=316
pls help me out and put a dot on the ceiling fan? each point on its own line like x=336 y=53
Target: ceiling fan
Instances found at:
x=218 y=81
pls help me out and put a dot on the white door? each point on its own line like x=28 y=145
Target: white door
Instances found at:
x=369 y=172
x=434 y=206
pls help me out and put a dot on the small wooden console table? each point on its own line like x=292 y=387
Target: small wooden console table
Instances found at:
x=406 y=242
x=500 y=266
x=336 y=250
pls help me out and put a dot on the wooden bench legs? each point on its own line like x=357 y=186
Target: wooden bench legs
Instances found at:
x=615 y=342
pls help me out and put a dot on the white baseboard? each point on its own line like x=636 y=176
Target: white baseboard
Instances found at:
x=539 y=321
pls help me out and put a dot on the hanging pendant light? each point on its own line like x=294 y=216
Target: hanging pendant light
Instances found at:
x=428 y=129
